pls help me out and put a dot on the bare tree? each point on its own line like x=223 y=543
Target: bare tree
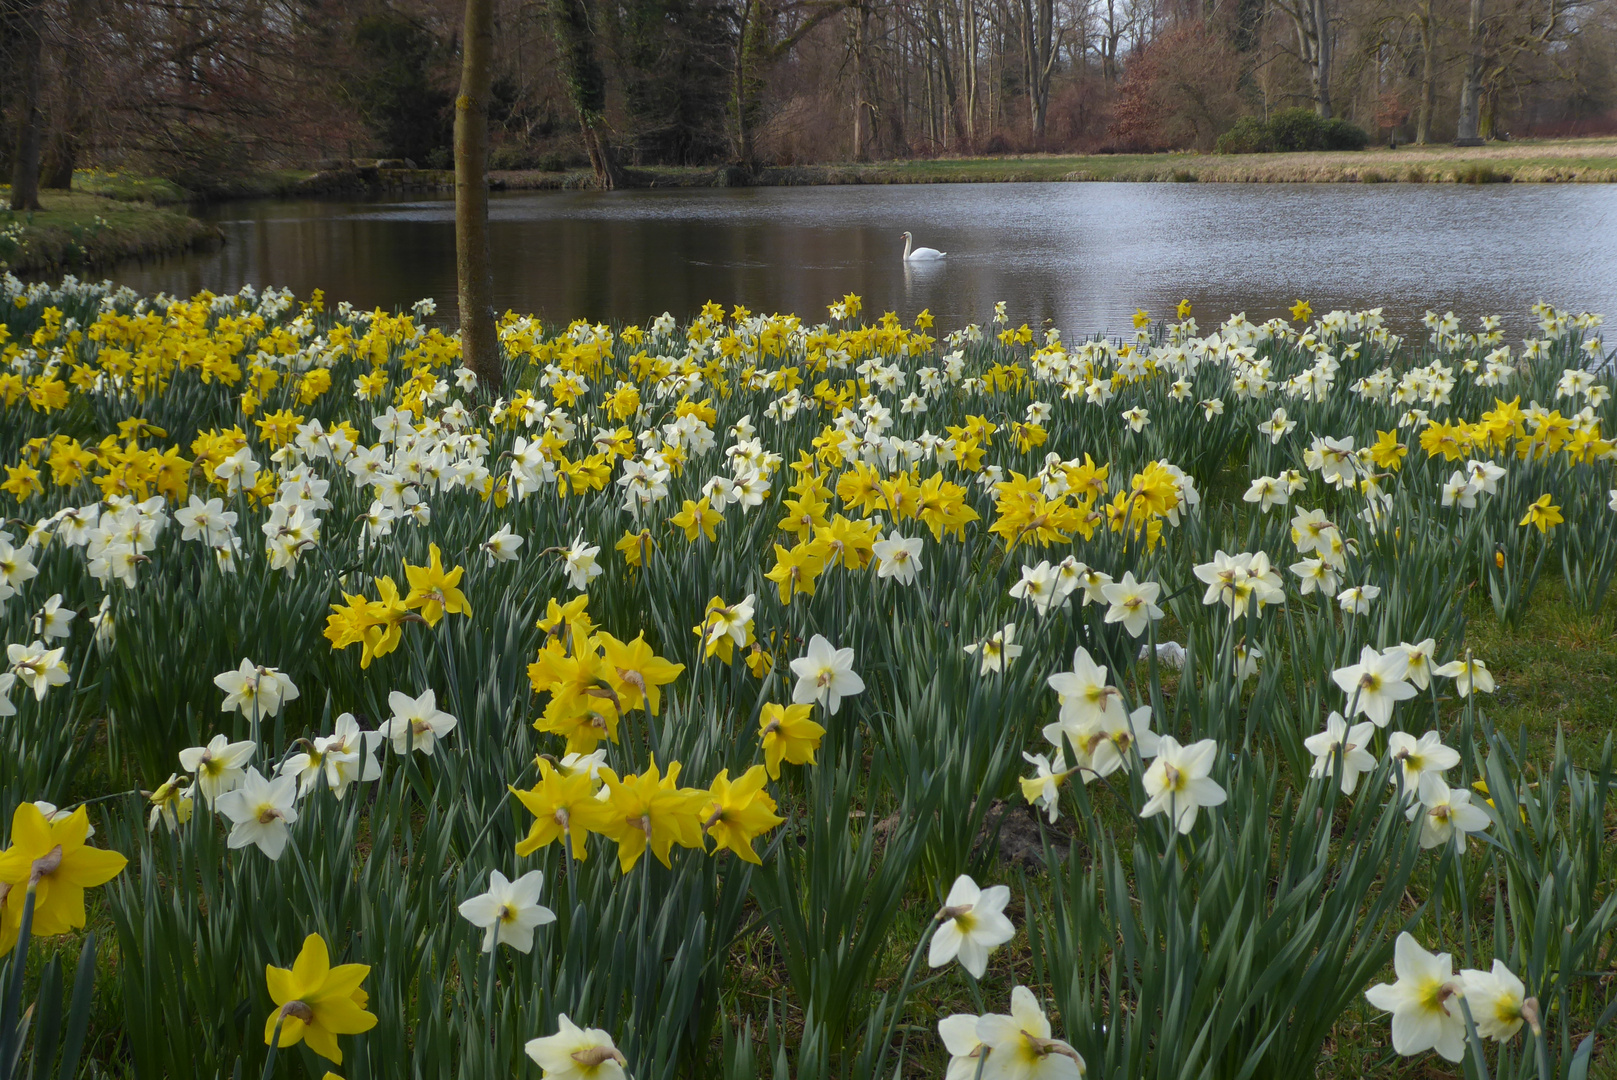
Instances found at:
x=1041 y=42
x=1312 y=21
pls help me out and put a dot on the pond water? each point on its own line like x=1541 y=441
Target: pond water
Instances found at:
x=1082 y=256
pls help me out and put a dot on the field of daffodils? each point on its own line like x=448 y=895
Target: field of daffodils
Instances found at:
x=671 y=709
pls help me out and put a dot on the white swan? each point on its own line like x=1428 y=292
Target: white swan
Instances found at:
x=924 y=254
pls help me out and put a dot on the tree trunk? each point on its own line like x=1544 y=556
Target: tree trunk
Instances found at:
x=30 y=54
x=1039 y=47
x=62 y=156
x=586 y=85
x=1312 y=21
x=1321 y=74
x=743 y=127
x=1471 y=87
x=479 y=341
x=860 y=16
x=951 y=97
x=1428 y=76
x=969 y=70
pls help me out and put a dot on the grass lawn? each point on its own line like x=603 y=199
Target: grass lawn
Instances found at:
x=76 y=230
x=1557 y=160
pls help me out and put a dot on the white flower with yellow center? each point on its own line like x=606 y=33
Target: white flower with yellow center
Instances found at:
x=218 y=766
x=1425 y=1014
x=1374 y=685
x=1179 y=781
x=1020 y=1047
x=825 y=675
x=997 y=651
x=971 y=924
x=261 y=810
x=509 y=911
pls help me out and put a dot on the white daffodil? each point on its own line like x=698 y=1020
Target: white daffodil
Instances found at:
x=39 y=668
x=502 y=546
x=1374 y=685
x=7 y=680
x=53 y=621
x=1111 y=738
x=16 y=567
x=1425 y=1014
x=1020 y=1047
x=261 y=811
x=207 y=521
x=1085 y=697
x=416 y=723
x=1445 y=815
x=1417 y=661
x=1458 y=491
x=575 y=763
x=1469 y=675
x=1485 y=476
x=825 y=675
x=576 y=1053
x=1418 y=757
x=1355 y=600
x=1498 y=1001
x=255 y=691
x=1038 y=586
x=1132 y=603
x=1247 y=656
x=348 y=754
x=997 y=651
x=509 y=911
x=959 y=1035
x=898 y=557
x=218 y=767
x=1179 y=781
x=971 y=924
x=1268 y=492
x=732 y=622
x=1094 y=584
x=580 y=563
x=1308 y=529
x=1315 y=574
x=1349 y=745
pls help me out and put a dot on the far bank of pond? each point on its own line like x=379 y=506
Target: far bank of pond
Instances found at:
x=1537 y=161
x=75 y=232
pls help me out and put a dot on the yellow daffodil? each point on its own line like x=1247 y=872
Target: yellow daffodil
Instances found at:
x=562 y=805
x=434 y=591
x=738 y=812
x=1542 y=515
x=636 y=673
x=316 y=1002
x=787 y=734
x=53 y=860
x=651 y=811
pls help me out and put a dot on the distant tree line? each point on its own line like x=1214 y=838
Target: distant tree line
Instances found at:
x=208 y=91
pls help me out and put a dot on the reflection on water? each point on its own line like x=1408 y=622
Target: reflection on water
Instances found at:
x=1082 y=256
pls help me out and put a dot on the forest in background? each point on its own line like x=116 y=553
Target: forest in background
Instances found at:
x=204 y=92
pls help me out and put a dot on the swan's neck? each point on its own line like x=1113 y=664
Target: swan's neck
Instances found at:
x=906 y=245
